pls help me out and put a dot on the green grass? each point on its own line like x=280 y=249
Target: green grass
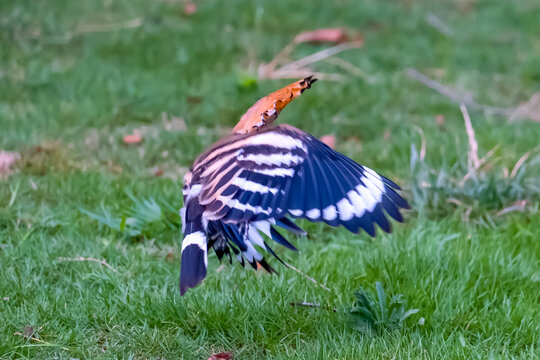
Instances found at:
x=67 y=98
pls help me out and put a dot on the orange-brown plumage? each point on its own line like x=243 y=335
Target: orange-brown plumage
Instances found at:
x=267 y=109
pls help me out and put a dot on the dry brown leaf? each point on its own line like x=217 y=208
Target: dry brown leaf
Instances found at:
x=329 y=140
x=194 y=99
x=28 y=331
x=132 y=139
x=156 y=171
x=221 y=356
x=7 y=159
x=190 y=8
x=328 y=35
x=440 y=120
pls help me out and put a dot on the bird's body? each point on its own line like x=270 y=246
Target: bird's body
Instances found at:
x=260 y=176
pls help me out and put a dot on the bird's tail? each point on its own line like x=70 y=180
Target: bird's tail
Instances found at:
x=194 y=248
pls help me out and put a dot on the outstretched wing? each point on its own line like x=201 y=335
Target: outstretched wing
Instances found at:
x=283 y=171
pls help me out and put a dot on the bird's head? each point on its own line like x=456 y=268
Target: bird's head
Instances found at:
x=266 y=110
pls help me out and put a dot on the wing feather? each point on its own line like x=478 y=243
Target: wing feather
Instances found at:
x=283 y=170
x=312 y=199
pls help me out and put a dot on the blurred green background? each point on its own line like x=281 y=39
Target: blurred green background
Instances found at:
x=76 y=77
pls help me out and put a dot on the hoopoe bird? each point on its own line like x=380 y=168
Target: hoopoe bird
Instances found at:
x=260 y=177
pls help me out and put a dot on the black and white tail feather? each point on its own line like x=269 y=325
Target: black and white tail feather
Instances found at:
x=245 y=186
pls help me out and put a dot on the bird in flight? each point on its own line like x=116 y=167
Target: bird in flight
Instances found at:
x=261 y=176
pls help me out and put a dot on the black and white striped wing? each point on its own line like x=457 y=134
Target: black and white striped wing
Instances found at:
x=284 y=171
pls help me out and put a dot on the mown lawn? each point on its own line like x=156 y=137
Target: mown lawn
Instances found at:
x=76 y=76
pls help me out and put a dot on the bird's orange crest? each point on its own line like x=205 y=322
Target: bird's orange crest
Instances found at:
x=267 y=109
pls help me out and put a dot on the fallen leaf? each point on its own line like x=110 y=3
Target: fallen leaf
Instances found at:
x=7 y=159
x=221 y=356
x=190 y=8
x=28 y=331
x=156 y=171
x=329 y=140
x=132 y=139
x=440 y=119
x=328 y=35
x=194 y=99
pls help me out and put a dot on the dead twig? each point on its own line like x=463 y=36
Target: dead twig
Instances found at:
x=469 y=323
x=323 y=54
x=481 y=163
x=473 y=162
x=29 y=337
x=280 y=58
x=435 y=22
x=451 y=93
x=354 y=70
x=308 y=277
x=520 y=162
x=300 y=67
x=40 y=341
x=518 y=206
x=472 y=158
x=102 y=262
x=454 y=201
x=456 y=96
